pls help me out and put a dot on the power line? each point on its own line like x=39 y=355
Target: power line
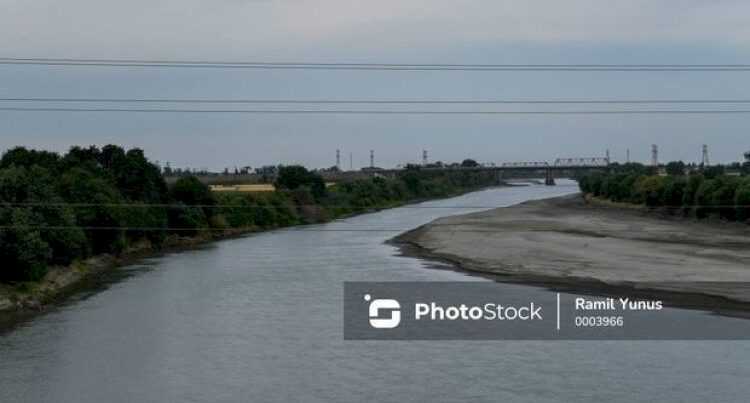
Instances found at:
x=367 y=66
x=236 y=229
x=240 y=229
x=172 y=205
x=167 y=205
x=378 y=101
x=380 y=112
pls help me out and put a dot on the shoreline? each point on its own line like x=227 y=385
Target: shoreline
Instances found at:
x=569 y=243
x=60 y=282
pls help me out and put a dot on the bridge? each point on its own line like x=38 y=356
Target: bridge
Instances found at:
x=549 y=170
x=560 y=163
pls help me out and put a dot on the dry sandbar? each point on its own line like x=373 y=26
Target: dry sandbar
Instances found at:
x=569 y=241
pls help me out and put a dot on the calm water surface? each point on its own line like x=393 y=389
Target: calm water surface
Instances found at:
x=260 y=319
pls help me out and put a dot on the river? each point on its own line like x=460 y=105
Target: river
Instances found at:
x=259 y=318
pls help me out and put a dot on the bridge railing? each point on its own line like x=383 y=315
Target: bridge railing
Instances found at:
x=526 y=164
x=578 y=162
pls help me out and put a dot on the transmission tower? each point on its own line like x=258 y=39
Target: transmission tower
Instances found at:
x=705 y=155
x=654 y=155
x=338 y=159
x=424 y=157
x=627 y=155
x=372 y=159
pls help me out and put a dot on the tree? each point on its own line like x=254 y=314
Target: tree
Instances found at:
x=294 y=176
x=742 y=201
x=412 y=179
x=714 y=196
x=190 y=191
x=630 y=167
x=22 y=157
x=22 y=250
x=674 y=192
x=469 y=163
x=34 y=211
x=103 y=209
x=675 y=168
x=713 y=171
x=651 y=190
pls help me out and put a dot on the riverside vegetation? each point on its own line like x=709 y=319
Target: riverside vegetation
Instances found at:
x=60 y=209
x=700 y=194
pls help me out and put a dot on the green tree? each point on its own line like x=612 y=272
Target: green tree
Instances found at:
x=630 y=167
x=22 y=157
x=294 y=176
x=651 y=190
x=742 y=200
x=22 y=250
x=192 y=204
x=100 y=209
x=713 y=171
x=34 y=189
x=674 y=193
x=191 y=191
x=469 y=163
x=716 y=196
x=413 y=179
x=185 y=219
x=675 y=168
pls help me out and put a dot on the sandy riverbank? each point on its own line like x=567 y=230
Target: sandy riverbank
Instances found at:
x=570 y=242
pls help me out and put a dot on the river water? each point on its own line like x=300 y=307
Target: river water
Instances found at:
x=259 y=318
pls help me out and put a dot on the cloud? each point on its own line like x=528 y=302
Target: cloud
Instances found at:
x=181 y=28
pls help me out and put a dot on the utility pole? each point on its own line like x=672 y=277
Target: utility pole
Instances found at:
x=351 y=162
x=705 y=155
x=372 y=159
x=655 y=155
x=338 y=159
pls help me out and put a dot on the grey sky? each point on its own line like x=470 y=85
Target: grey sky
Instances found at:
x=405 y=31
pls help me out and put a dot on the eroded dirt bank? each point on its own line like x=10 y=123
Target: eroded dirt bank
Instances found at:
x=568 y=241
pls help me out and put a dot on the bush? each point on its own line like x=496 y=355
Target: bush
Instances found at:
x=650 y=190
x=742 y=200
x=674 y=193
x=713 y=172
x=22 y=250
x=723 y=196
x=675 y=168
x=185 y=219
x=295 y=176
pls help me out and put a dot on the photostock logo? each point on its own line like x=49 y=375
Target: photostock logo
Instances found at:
x=382 y=305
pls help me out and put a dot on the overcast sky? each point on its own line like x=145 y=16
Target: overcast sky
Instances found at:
x=384 y=31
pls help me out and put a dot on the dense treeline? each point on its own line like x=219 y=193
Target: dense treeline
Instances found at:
x=55 y=209
x=697 y=194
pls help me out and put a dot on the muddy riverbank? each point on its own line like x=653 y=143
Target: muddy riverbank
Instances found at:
x=61 y=281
